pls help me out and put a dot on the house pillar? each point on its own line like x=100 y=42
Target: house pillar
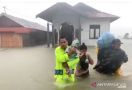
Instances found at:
x=48 y=39
x=58 y=31
x=80 y=29
x=53 y=36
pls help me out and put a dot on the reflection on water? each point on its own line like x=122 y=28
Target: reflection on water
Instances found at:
x=32 y=69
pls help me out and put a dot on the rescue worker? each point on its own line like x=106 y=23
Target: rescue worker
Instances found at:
x=65 y=63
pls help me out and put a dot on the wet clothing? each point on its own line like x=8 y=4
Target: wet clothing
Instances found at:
x=61 y=57
x=60 y=72
x=84 y=65
x=109 y=60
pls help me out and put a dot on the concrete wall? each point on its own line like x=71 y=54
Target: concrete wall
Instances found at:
x=73 y=19
x=85 y=25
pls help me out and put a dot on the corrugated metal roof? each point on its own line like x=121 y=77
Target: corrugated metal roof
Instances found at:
x=25 y=23
x=80 y=9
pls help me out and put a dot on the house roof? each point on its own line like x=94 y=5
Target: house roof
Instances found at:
x=57 y=8
x=25 y=23
x=80 y=9
x=93 y=13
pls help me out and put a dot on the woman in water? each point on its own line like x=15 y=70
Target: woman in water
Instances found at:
x=83 y=65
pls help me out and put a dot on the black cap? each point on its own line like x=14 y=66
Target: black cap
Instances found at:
x=116 y=41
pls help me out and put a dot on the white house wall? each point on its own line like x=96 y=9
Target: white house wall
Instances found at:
x=85 y=23
x=73 y=19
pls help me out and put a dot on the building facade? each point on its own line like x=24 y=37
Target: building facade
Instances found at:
x=16 y=32
x=88 y=22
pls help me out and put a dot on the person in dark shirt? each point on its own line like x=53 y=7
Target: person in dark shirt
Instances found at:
x=83 y=65
x=110 y=59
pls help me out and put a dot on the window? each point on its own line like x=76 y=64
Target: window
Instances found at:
x=94 y=31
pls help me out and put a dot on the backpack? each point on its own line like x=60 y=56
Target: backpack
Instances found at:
x=105 y=40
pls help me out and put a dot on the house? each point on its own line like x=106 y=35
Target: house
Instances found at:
x=16 y=32
x=88 y=22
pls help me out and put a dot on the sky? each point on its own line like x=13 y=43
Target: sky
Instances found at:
x=28 y=9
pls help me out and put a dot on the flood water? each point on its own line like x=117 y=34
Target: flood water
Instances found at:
x=33 y=68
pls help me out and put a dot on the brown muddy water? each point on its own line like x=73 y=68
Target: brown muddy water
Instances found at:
x=33 y=69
